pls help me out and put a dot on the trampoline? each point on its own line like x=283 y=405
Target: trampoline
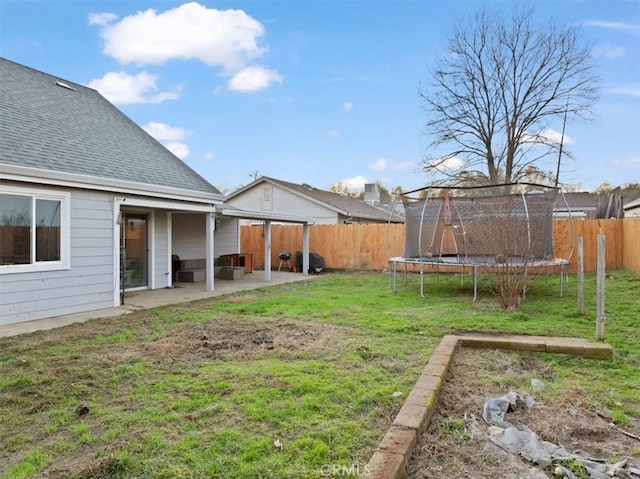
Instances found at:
x=487 y=228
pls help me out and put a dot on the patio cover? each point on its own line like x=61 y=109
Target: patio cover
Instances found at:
x=232 y=212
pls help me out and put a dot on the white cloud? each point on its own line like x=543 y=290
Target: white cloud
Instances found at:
x=450 y=163
x=169 y=136
x=253 y=79
x=101 y=18
x=164 y=132
x=223 y=38
x=208 y=156
x=627 y=162
x=608 y=51
x=632 y=89
x=404 y=165
x=453 y=163
x=347 y=107
x=356 y=183
x=548 y=137
x=379 y=165
x=122 y=88
x=556 y=137
x=179 y=149
x=617 y=26
x=382 y=164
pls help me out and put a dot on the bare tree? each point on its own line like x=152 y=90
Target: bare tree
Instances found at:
x=396 y=194
x=604 y=187
x=496 y=91
x=255 y=174
x=343 y=189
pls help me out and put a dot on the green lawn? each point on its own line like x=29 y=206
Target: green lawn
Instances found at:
x=283 y=382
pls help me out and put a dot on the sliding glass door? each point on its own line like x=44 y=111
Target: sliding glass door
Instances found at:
x=134 y=238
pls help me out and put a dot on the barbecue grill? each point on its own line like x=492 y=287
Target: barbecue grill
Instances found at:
x=285 y=260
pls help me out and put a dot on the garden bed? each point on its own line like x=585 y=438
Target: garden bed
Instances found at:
x=456 y=444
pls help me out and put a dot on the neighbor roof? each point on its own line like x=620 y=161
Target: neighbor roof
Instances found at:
x=344 y=205
x=582 y=200
x=60 y=126
x=632 y=205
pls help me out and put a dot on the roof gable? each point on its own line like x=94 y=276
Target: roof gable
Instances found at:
x=343 y=205
x=60 y=126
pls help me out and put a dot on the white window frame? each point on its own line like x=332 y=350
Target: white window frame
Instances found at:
x=65 y=230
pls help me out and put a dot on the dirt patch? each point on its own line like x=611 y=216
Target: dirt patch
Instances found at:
x=217 y=338
x=103 y=350
x=455 y=444
x=234 y=339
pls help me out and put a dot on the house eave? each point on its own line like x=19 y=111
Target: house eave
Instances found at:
x=632 y=205
x=57 y=178
x=258 y=215
x=381 y=219
x=574 y=209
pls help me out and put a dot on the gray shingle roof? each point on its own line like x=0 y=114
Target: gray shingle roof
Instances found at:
x=353 y=207
x=576 y=200
x=75 y=130
x=632 y=204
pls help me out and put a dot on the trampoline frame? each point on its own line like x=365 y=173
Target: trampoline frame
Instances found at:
x=461 y=262
x=474 y=265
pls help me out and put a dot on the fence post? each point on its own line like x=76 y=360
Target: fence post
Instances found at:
x=580 y=275
x=600 y=287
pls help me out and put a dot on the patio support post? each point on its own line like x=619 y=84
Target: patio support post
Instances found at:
x=211 y=226
x=117 y=266
x=267 y=250
x=305 y=249
x=170 y=278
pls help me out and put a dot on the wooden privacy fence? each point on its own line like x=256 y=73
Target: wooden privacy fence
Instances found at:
x=368 y=247
x=631 y=242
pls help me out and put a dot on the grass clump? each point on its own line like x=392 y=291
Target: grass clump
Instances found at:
x=457 y=428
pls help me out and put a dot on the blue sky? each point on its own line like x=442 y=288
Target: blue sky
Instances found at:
x=309 y=91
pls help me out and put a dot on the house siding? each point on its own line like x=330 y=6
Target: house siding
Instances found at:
x=227 y=237
x=87 y=285
x=189 y=235
x=285 y=203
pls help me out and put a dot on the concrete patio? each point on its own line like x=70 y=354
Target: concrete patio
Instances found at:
x=183 y=292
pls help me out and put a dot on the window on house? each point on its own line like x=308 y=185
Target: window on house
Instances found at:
x=48 y=230
x=33 y=230
x=267 y=198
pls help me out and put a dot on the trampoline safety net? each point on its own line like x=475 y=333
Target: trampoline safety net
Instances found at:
x=494 y=224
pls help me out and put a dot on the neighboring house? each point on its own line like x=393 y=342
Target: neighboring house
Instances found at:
x=79 y=184
x=576 y=205
x=632 y=209
x=282 y=197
